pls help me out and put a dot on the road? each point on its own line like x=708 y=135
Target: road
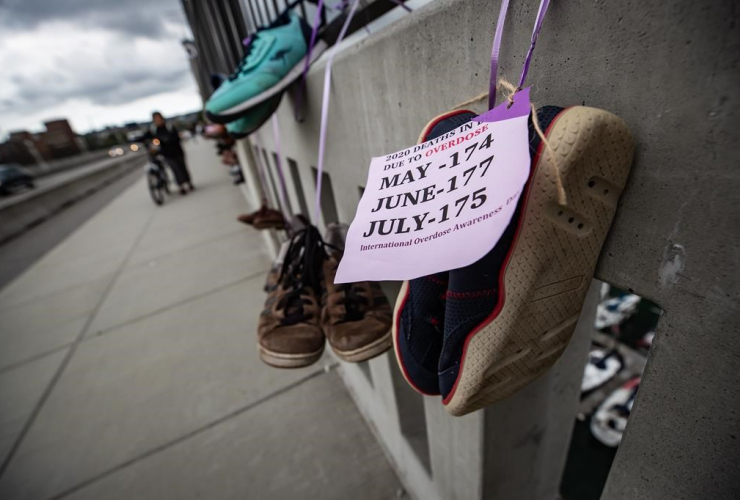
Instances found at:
x=57 y=179
x=19 y=253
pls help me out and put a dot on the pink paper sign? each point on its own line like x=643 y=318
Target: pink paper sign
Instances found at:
x=442 y=204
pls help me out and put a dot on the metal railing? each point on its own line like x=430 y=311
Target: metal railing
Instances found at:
x=220 y=26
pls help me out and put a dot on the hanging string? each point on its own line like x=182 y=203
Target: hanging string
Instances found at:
x=325 y=112
x=287 y=210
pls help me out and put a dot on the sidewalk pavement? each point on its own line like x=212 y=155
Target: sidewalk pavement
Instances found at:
x=129 y=369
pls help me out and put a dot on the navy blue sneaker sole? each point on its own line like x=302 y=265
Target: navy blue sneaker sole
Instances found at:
x=422 y=380
x=548 y=267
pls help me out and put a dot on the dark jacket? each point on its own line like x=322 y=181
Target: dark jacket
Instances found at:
x=169 y=140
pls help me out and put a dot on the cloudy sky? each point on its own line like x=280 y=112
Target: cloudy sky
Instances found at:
x=95 y=62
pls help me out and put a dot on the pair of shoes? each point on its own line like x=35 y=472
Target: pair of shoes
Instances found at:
x=242 y=127
x=610 y=419
x=305 y=309
x=229 y=158
x=214 y=131
x=274 y=58
x=478 y=334
x=264 y=218
x=236 y=172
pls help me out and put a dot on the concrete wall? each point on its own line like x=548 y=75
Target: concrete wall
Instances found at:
x=670 y=70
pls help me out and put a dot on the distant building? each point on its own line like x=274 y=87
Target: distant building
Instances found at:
x=60 y=139
x=57 y=141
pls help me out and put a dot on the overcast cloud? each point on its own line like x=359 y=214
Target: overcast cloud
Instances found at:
x=96 y=62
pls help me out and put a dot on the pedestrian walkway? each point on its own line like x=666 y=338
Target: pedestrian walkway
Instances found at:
x=129 y=370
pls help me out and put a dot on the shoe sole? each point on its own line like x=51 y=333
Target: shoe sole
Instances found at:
x=282 y=360
x=550 y=265
x=238 y=111
x=268 y=225
x=367 y=352
x=404 y=292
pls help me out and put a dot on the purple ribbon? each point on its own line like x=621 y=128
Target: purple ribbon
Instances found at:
x=325 y=112
x=278 y=163
x=544 y=4
x=495 y=52
x=497 y=47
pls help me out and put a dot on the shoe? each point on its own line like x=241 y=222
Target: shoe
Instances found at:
x=248 y=219
x=289 y=332
x=297 y=223
x=229 y=158
x=256 y=117
x=602 y=366
x=269 y=219
x=214 y=131
x=615 y=310
x=510 y=315
x=610 y=418
x=356 y=317
x=236 y=172
x=217 y=79
x=275 y=57
x=418 y=320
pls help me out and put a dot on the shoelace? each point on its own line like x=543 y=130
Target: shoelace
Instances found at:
x=354 y=301
x=301 y=270
x=249 y=43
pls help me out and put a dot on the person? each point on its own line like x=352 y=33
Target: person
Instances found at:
x=171 y=149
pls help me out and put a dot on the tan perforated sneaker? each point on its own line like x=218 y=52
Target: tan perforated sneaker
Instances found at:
x=510 y=315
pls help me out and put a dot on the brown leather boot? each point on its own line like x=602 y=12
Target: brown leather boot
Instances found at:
x=289 y=332
x=356 y=317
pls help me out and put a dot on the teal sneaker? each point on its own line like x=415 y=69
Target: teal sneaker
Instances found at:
x=254 y=118
x=274 y=58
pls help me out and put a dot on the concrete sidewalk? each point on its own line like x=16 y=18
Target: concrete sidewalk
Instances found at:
x=128 y=367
